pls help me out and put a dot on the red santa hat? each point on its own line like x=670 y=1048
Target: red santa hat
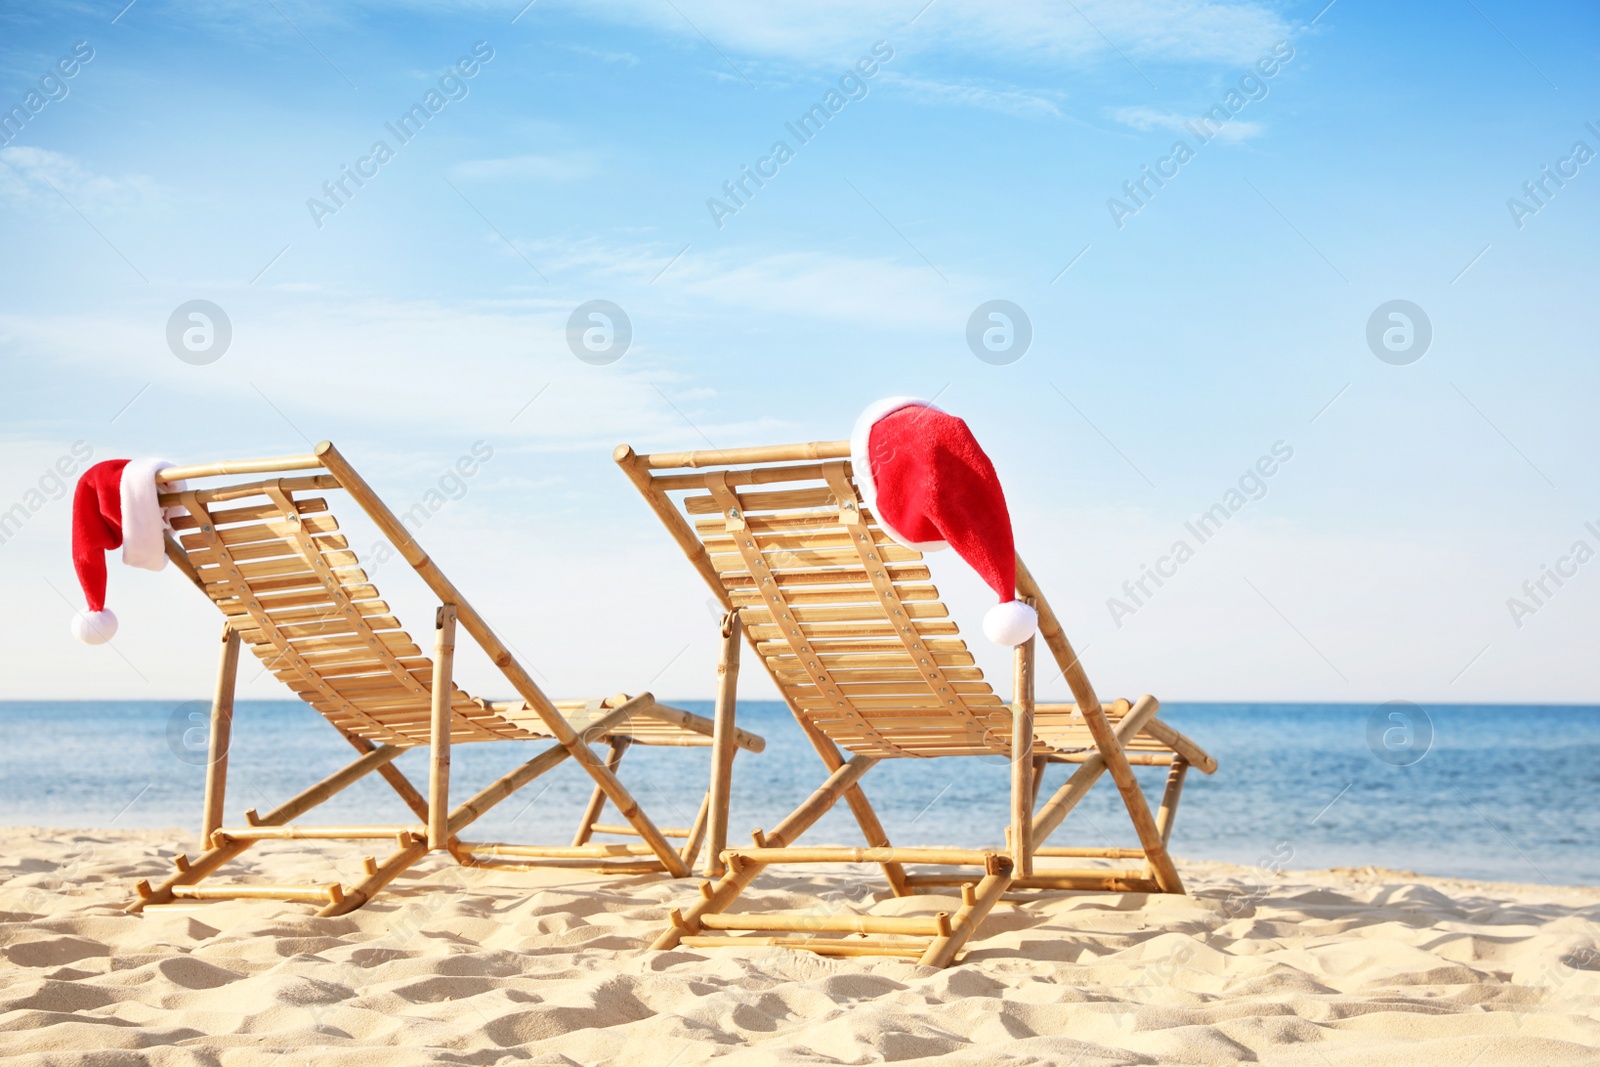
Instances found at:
x=115 y=505
x=931 y=487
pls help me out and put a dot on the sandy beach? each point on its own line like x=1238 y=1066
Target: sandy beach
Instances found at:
x=461 y=966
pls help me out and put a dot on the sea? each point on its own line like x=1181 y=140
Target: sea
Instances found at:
x=1486 y=792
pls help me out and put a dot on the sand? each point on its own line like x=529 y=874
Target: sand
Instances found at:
x=454 y=966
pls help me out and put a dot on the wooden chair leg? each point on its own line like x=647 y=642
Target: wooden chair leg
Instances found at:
x=444 y=655
x=740 y=875
x=976 y=903
x=697 y=832
x=203 y=867
x=1078 y=784
x=1169 y=804
x=378 y=876
x=723 y=748
x=1039 y=765
x=1022 y=783
x=1116 y=761
x=597 y=798
x=221 y=735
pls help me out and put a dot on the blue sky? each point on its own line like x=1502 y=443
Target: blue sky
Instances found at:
x=1227 y=314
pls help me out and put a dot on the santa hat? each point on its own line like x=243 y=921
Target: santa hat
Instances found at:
x=114 y=505
x=931 y=487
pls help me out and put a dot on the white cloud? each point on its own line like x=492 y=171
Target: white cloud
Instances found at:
x=885 y=291
x=557 y=168
x=1010 y=101
x=1145 y=118
x=625 y=58
x=836 y=30
x=28 y=174
x=473 y=362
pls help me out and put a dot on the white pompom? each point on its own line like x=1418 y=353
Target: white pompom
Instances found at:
x=1010 y=623
x=94 y=627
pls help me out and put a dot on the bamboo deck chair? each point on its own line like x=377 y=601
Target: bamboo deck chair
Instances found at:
x=267 y=550
x=850 y=628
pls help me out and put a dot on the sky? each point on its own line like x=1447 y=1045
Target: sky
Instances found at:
x=1351 y=244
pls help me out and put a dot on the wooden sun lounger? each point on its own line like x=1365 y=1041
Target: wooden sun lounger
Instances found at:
x=851 y=629
x=267 y=550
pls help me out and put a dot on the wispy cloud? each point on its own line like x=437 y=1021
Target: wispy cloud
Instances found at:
x=627 y=59
x=990 y=97
x=806 y=286
x=558 y=168
x=1040 y=30
x=1145 y=118
x=27 y=174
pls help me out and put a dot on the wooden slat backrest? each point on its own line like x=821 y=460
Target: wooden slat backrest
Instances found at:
x=845 y=620
x=278 y=567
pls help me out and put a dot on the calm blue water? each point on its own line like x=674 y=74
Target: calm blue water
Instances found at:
x=1502 y=792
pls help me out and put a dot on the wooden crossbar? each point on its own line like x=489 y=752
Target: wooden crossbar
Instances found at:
x=932 y=926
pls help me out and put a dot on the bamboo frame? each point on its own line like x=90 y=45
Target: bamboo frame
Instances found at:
x=308 y=894
x=312 y=642
x=722 y=755
x=1022 y=774
x=444 y=658
x=727 y=457
x=628 y=831
x=1116 y=760
x=1077 y=786
x=268 y=465
x=221 y=737
x=697 y=833
x=475 y=625
x=740 y=875
x=313 y=833
x=1168 y=811
x=800 y=534
x=769 y=854
x=933 y=926
x=291 y=809
x=597 y=801
x=638 y=468
x=413 y=847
